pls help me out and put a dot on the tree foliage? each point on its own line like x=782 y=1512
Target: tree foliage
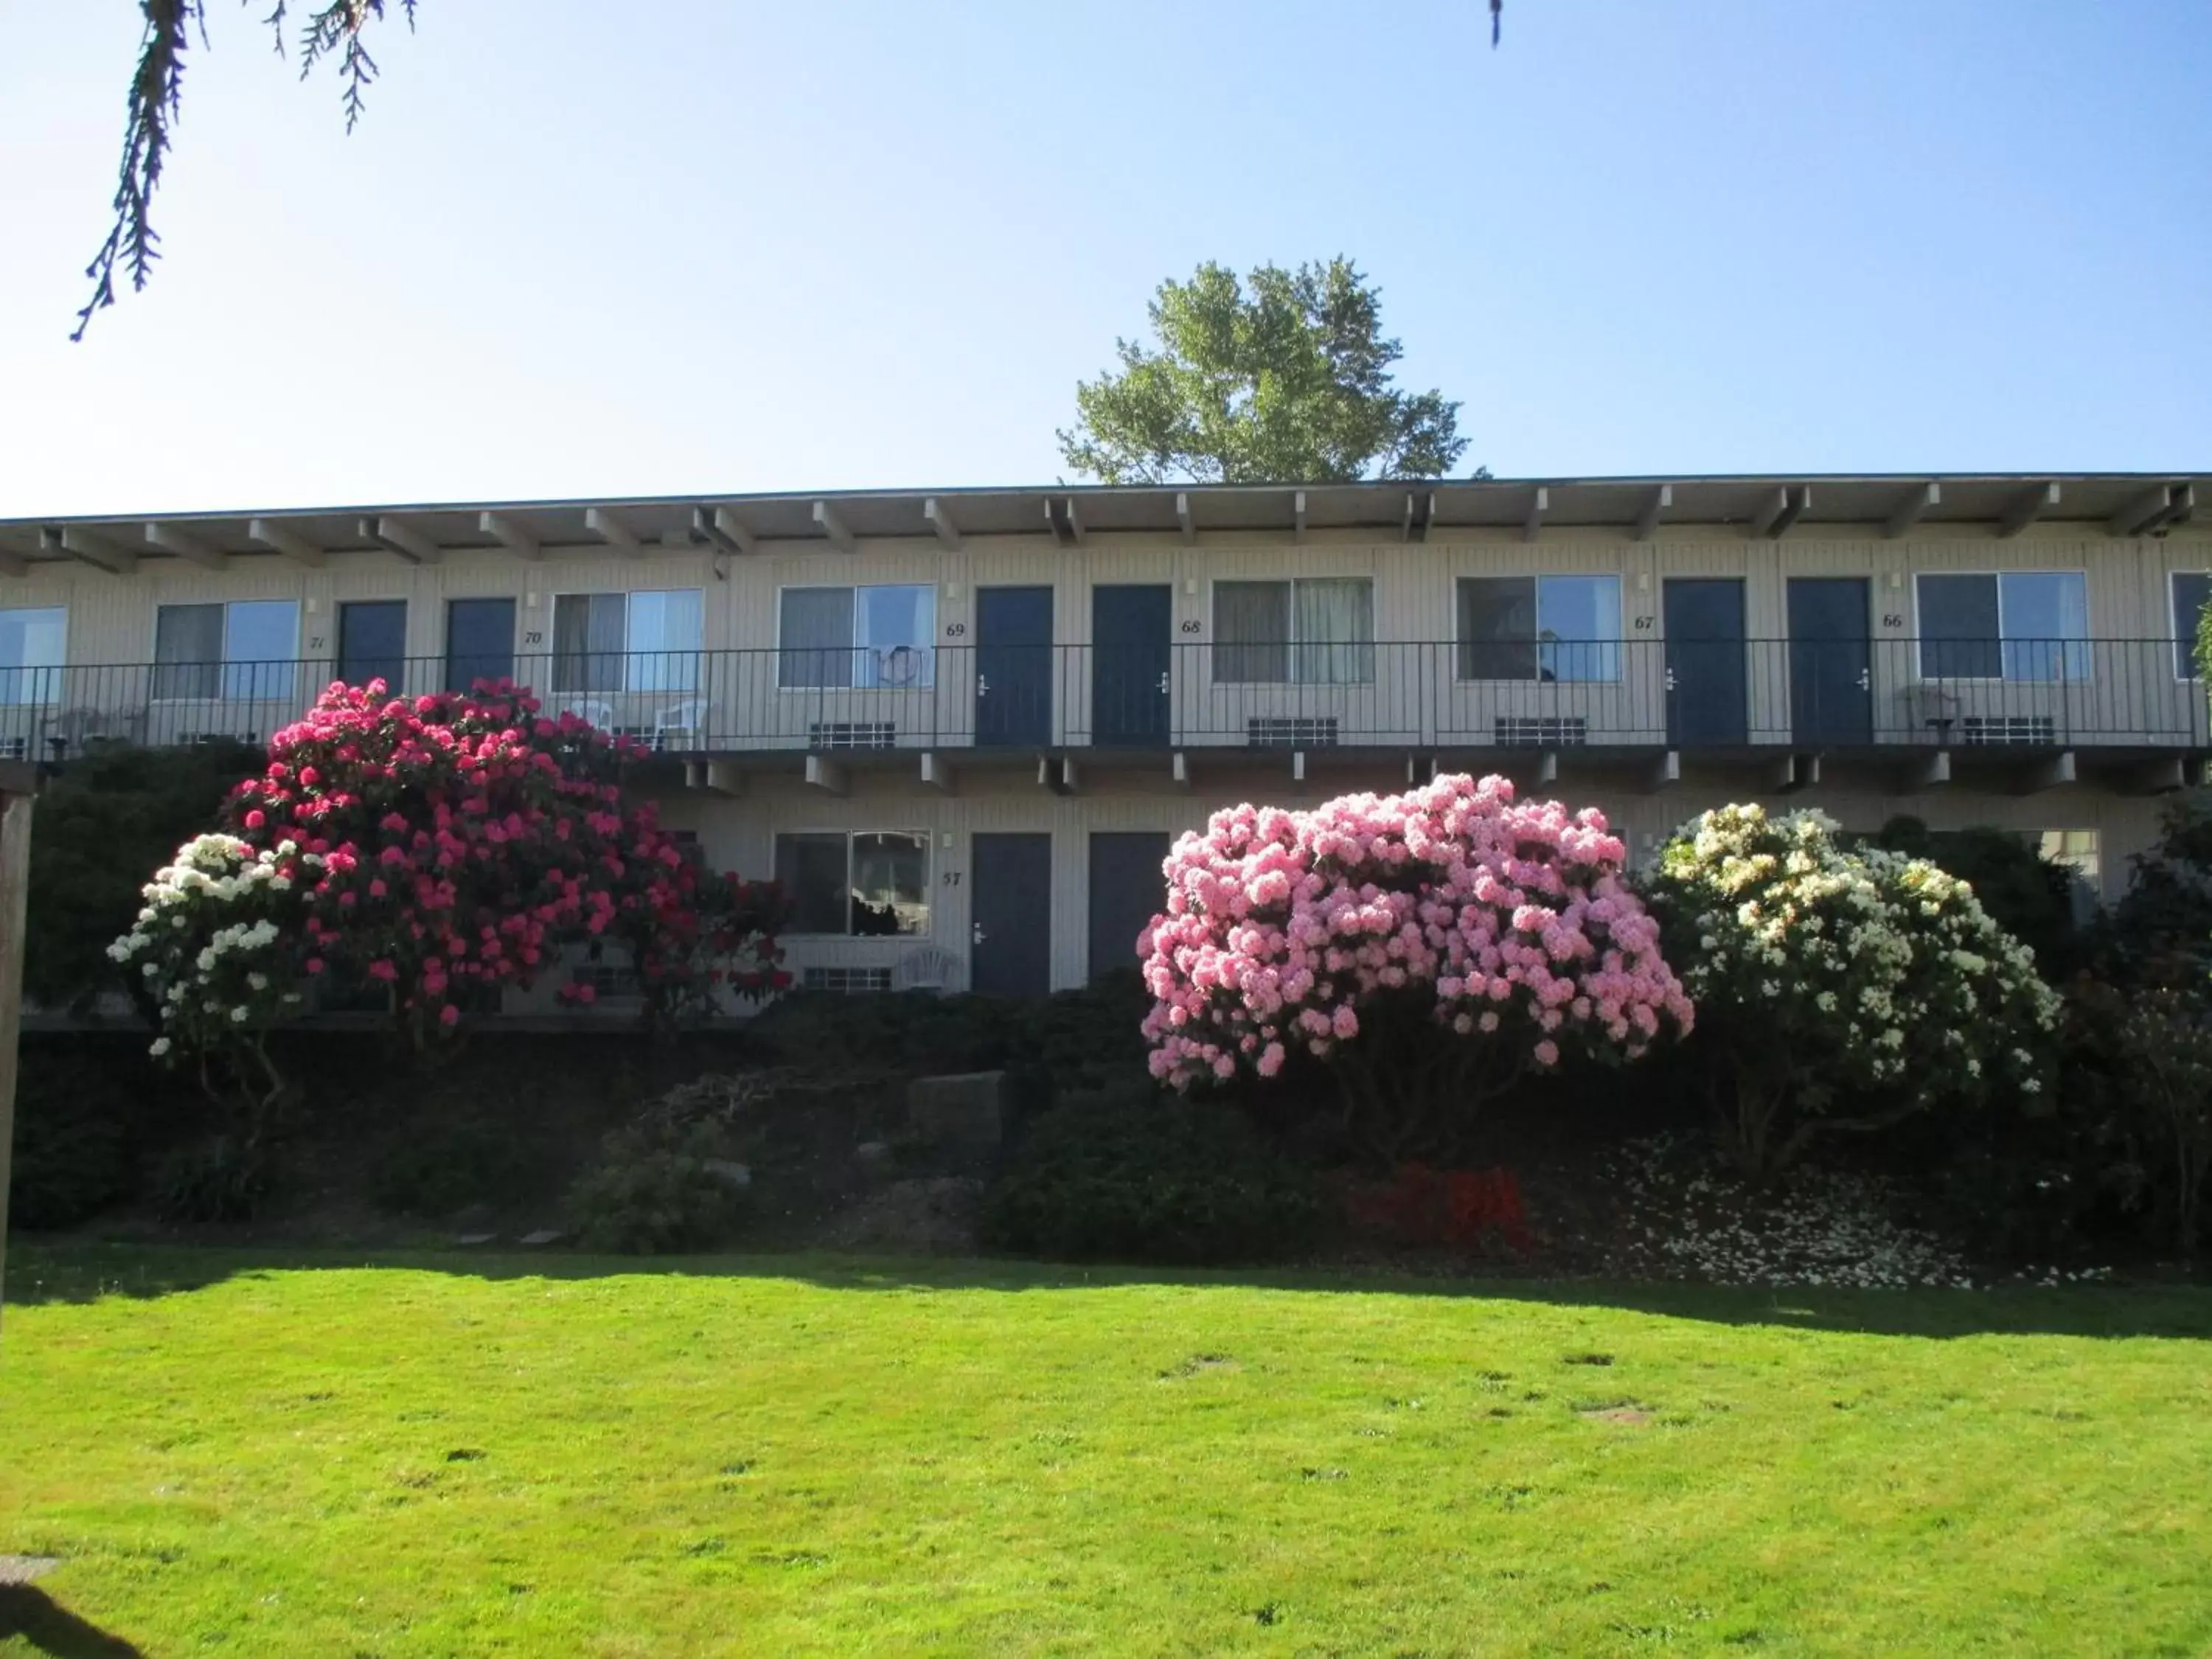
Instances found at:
x=108 y=819
x=330 y=30
x=1287 y=381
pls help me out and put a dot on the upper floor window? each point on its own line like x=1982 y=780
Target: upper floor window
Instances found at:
x=1311 y=631
x=245 y=651
x=2010 y=625
x=627 y=641
x=34 y=645
x=2192 y=591
x=837 y=637
x=868 y=883
x=1539 y=627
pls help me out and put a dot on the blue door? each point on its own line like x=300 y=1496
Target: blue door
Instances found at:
x=1706 y=703
x=1129 y=666
x=479 y=642
x=1013 y=667
x=373 y=643
x=1831 y=661
x=1010 y=915
x=1128 y=890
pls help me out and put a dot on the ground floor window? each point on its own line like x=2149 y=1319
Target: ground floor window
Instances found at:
x=2076 y=851
x=859 y=884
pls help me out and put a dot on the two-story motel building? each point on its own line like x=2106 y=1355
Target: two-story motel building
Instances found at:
x=963 y=725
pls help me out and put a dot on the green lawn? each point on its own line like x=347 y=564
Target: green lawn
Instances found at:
x=802 y=1456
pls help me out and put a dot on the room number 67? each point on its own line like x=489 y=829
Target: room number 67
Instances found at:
x=952 y=877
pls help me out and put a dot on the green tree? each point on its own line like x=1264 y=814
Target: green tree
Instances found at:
x=1288 y=382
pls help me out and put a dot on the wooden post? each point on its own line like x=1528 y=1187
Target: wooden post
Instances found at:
x=18 y=783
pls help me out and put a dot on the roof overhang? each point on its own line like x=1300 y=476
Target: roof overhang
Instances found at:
x=1525 y=510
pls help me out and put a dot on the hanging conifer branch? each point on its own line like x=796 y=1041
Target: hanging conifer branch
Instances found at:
x=156 y=87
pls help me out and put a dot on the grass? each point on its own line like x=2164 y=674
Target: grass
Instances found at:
x=430 y=1455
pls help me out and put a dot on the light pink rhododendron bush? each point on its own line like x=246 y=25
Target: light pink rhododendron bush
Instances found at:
x=445 y=846
x=1433 y=946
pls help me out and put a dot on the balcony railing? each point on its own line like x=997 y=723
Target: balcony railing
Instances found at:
x=1637 y=693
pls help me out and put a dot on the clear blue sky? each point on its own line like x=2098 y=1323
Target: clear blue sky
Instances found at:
x=584 y=248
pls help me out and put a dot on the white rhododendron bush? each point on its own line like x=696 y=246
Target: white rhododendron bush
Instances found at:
x=1842 y=990
x=1431 y=946
x=211 y=947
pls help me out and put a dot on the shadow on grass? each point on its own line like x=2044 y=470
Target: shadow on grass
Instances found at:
x=29 y=1612
x=77 y=1272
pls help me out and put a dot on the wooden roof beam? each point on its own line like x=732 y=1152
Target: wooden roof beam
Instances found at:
x=281 y=539
x=89 y=547
x=2026 y=508
x=724 y=530
x=183 y=544
x=609 y=527
x=941 y=520
x=398 y=536
x=1779 y=511
x=832 y=526
x=510 y=535
x=1538 y=505
x=2152 y=511
x=1910 y=510
x=1647 y=521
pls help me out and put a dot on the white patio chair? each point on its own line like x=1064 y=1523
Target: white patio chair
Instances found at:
x=680 y=725
x=594 y=710
x=927 y=969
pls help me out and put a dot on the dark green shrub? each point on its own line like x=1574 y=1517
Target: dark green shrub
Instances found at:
x=223 y=1178
x=1066 y=1043
x=439 y=1169
x=1126 y=1175
x=2161 y=932
x=84 y=1109
x=67 y=1166
x=103 y=825
x=654 y=1192
x=2024 y=893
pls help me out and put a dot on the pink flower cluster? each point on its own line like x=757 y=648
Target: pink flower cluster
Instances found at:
x=465 y=839
x=1514 y=916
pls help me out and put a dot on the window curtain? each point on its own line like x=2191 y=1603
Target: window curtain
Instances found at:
x=812 y=870
x=1497 y=628
x=1333 y=623
x=1959 y=628
x=1251 y=633
x=2046 y=625
x=663 y=640
x=188 y=651
x=816 y=638
x=896 y=627
x=588 y=642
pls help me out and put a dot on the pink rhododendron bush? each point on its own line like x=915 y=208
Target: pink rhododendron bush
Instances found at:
x=445 y=846
x=1431 y=947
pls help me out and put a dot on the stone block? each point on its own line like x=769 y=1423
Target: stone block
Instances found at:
x=966 y=1111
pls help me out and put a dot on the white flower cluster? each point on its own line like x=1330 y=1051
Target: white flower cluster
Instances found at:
x=1689 y=1218
x=204 y=939
x=1882 y=971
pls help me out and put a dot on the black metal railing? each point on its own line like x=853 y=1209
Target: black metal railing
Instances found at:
x=1640 y=692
